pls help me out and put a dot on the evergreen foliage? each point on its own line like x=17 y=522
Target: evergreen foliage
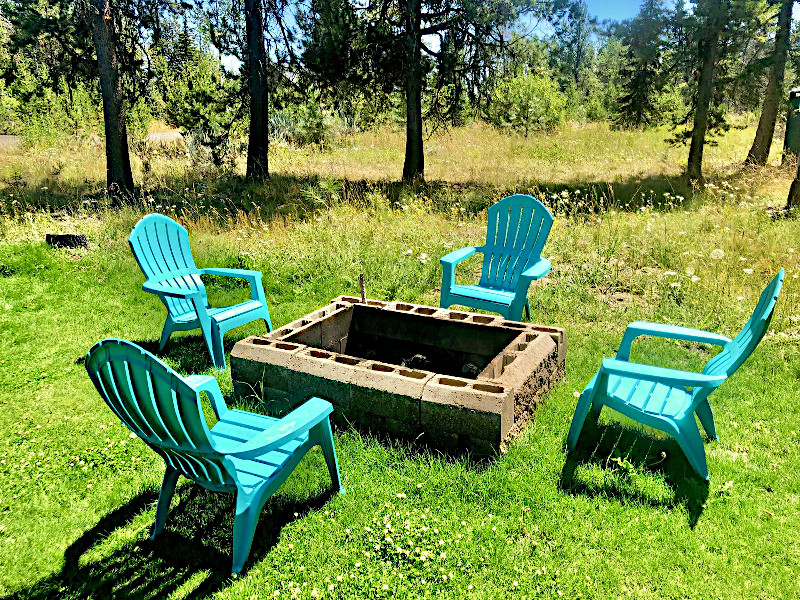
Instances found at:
x=644 y=74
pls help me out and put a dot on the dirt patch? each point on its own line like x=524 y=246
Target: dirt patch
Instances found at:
x=10 y=142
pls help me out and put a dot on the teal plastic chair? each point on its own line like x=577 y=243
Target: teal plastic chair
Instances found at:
x=245 y=453
x=161 y=247
x=516 y=231
x=668 y=399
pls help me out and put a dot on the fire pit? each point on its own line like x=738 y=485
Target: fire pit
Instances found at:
x=455 y=380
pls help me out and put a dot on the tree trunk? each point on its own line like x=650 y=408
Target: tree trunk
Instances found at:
x=759 y=152
x=414 y=166
x=119 y=179
x=793 y=201
x=258 y=140
x=705 y=87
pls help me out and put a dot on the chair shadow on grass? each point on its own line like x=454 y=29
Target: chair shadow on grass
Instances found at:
x=194 y=550
x=611 y=458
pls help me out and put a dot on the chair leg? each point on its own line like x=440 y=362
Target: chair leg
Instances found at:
x=324 y=436
x=691 y=443
x=244 y=528
x=527 y=310
x=706 y=417
x=165 y=333
x=444 y=298
x=586 y=404
x=164 y=498
x=215 y=346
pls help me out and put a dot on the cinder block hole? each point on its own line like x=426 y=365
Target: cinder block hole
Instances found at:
x=413 y=374
x=305 y=322
x=381 y=368
x=483 y=320
x=485 y=387
x=513 y=324
x=285 y=331
x=425 y=311
x=284 y=346
x=261 y=342
x=337 y=306
x=530 y=337
x=452 y=382
x=403 y=306
x=347 y=360
x=320 y=354
x=457 y=316
x=508 y=359
x=521 y=347
x=376 y=303
x=350 y=299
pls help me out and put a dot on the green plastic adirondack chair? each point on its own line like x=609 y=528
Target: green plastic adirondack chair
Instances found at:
x=245 y=453
x=161 y=247
x=668 y=399
x=516 y=231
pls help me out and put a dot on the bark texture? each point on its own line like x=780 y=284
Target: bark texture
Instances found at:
x=705 y=88
x=119 y=178
x=258 y=140
x=414 y=165
x=759 y=151
x=793 y=201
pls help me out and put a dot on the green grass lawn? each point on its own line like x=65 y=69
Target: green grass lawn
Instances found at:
x=622 y=516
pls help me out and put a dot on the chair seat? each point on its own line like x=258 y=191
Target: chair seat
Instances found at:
x=649 y=397
x=223 y=313
x=238 y=426
x=486 y=294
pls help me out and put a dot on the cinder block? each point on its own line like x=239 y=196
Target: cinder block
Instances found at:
x=386 y=404
x=390 y=378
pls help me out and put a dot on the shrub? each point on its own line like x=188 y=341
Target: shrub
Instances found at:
x=528 y=102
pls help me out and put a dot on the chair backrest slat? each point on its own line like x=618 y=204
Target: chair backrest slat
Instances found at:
x=159 y=406
x=516 y=231
x=161 y=248
x=737 y=350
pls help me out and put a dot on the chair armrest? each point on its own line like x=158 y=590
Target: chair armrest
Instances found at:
x=536 y=271
x=163 y=289
x=456 y=256
x=297 y=422
x=209 y=385
x=671 y=377
x=252 y=277
x=238 y=273
x=450 y=260
x=675 y=332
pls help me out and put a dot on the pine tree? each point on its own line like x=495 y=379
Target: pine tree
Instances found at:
x=643 y=77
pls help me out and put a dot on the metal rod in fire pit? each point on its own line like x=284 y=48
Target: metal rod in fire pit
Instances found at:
x=363 y=289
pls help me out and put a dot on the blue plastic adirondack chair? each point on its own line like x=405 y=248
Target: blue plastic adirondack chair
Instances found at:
x=667 y=399
x=516 y=231
x=245 y=453
x=161 y=247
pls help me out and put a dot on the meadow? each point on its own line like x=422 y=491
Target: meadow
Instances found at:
x=622 y=516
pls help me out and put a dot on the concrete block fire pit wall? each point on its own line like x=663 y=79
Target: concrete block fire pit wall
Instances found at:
x=454 y=380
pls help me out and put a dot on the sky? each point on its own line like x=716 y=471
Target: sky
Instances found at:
x=613 y=9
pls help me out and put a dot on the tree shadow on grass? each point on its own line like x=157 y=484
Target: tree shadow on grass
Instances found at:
x=616 y=461
x=194 y=551
x=186 y=354
x=223 y=197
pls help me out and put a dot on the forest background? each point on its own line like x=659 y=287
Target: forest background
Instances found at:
x=235 y=75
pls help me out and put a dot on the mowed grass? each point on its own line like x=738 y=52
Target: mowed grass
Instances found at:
x=622 y=516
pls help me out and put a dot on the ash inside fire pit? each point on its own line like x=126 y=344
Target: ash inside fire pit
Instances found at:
x=454 y=380
x=408 y=339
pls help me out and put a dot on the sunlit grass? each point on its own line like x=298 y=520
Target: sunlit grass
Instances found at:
x=624 y=516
